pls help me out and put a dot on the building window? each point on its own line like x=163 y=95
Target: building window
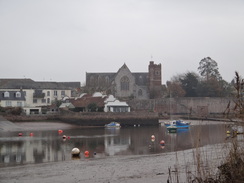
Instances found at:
x=140 y=92
x=19 y=104
x=8 y=103
x=43 y=100
x=124 y=83
x=34 y=100
x=99 y=79
x=6 y=94
x=55 y=93
x=63 y=93
x=18 y=94
x=92 y=81
x=107 y=80
x=157 y=73
x=48 y=93
x=48 y=100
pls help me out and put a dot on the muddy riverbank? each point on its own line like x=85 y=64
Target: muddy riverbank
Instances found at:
x=130 y=169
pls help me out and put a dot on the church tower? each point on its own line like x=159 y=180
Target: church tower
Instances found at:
x=155 y=81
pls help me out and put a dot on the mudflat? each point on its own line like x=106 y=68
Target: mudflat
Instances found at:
x=117 y=169
x=131 y=169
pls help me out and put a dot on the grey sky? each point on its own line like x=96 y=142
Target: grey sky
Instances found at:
x=61 y=40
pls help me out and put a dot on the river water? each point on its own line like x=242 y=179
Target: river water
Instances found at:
x=50 y=146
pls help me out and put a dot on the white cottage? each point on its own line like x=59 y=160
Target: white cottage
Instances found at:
x=114 y=105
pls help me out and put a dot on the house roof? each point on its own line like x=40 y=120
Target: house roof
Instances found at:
x=141 y=78
x=85 y=101
x=30 y=84
x=117 y=103
x=68 y=105
x=12 y=95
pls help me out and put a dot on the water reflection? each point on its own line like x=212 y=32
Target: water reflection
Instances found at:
x=50 y=146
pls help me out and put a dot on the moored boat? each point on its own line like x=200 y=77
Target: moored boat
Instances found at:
x=172 y=129
x=113 y=125
x=178 y=124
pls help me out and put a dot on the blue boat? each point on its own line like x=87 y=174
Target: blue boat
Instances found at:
x=178 y=124
x=113 y=125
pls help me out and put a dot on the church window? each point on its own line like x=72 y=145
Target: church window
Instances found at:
x=107 y=80
x=124 y=83
x=92 y=81
x=139 y=92
x=99 y=80
x=140 y=80
x=157 y=73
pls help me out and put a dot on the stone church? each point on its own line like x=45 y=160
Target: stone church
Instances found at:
x=125 y=84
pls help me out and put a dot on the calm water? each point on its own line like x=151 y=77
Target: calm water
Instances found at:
x=49 y=146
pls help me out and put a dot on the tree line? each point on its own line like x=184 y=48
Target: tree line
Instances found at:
x=208 y=83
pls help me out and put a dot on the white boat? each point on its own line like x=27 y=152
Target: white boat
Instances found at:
x=172 y=129
x=113 y=125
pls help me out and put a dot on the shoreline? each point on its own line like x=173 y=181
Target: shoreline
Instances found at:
x=130 y=169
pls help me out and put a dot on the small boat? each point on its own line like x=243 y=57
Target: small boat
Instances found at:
x=172 y=129
x=113 y=125
x=178 y=124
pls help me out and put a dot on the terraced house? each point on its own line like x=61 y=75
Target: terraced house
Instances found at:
x=34 y=96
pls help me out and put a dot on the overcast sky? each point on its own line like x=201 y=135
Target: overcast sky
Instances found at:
x=61 y=40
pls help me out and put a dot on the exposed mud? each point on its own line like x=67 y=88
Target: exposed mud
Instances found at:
x=131 y=169
x=143 y=169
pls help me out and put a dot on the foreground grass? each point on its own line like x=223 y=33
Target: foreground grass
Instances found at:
x=222 y=164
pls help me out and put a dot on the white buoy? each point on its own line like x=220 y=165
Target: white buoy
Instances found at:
x=75 y=152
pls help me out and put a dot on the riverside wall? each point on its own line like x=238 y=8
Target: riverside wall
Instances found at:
x=188 y=106
x=101 y=118
x=143 y=112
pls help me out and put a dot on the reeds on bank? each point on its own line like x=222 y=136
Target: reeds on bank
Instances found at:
x=221 y=163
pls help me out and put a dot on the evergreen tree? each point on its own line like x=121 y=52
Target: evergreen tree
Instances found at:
x=208 y=68
x=189 y=84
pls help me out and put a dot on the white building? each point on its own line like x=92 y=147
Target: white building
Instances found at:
x=12 y=99
x=36 y=94
x=114 y=105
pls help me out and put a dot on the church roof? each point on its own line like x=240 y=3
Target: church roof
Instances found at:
x=141 y=78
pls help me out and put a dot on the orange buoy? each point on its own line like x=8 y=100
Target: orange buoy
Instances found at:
x=87 y=154
x=20 y=134
x=60 y=131
x=162 y=143
x=31 y=134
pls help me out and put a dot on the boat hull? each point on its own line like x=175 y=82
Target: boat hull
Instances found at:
x=178 y=124
x=172 y=129
x=113 y=125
